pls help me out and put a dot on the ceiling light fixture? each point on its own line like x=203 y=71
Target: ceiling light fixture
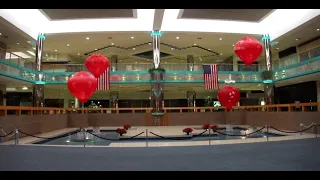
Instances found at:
x=133 y=48
x=95 y=49
x=24 y=88
x=232 y=45
x=32 y=53
x=87 y=38
x=220 y=39
x=277 y=48
x=172 y=48
x=317 y=30
x=297 y=39
x=17 y=43
x=149 y=43
x=34 y=48
x=68 y=44
x=177 y=38
x=209 y=49
x=132 y=37
x=194 y=44
x=136 y=62
x=78 y=54
x=112 y=43
x=56 y=50
x=0 y=34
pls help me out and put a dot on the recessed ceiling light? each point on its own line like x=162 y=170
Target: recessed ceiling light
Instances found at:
x=172 y=48
x=194 y=44
x=317 y=30
x=78 y=54
x=149 y=43
x=220 y=39
x=34 y=48
x=232 y=44
x=0 y=34
x=297 y=39
x=177 y=38
x=132 y=37
x=24 y=88
x=95 y=49
x=68 y=44
x=32 y=53
x=165 y=62
x=112 y=43
x=136 y=62
x=209 y=49
x=133 y=48
x=55 y=50
x=87 y=38
x=220 y=53
x=277 y=48
x=17 y=43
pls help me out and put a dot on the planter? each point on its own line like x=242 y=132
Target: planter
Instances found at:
x=188 y=133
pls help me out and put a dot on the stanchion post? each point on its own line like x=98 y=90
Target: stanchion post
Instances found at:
x=84 y=137
x=16 y=142
x=146 y=137
x=209 y=135
x=267 y=133
x=301 y=125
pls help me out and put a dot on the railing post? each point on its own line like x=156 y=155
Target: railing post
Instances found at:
x=315 y=129
x=267 y=133
x=146 y=137
x=16 y=137
x=301 y=125
x=84 y=137
x=209 y=135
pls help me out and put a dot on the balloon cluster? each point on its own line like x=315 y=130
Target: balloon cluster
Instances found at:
x=83 y=85
x=248 y=49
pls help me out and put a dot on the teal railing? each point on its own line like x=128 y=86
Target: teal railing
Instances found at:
x=296 y=65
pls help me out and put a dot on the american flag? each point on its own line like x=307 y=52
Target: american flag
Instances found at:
x=104 y=81
x=210 y=76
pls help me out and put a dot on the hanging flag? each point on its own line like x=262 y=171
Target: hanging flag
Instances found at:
x=104 y=81
x=210 y=76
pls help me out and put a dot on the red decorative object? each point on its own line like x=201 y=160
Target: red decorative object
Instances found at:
x=126 y=126
x=97 y=64
x=206 y=126
x=214 y=127
x=115 y=78
x=187 y=130
x=248 y=49
x=121 y=131
x=82 y=85
x=229 y=96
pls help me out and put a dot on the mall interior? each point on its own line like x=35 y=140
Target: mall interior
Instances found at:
x=185 y=45
x=158 y=114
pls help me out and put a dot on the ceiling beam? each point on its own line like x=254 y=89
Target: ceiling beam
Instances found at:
x=158 y=17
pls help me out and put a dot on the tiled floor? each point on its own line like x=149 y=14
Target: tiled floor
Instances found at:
x=166 y=131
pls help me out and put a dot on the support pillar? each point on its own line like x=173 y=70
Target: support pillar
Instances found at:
x=190 y=62
x=114 y=96
x=2 y=95
x=157 y=79
x=114 y=62
x=267 y=75
x=191 y=98
x=3 y=50
x=38 y=88
x=235 y=62
x=76 y=103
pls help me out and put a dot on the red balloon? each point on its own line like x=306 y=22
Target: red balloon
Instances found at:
x=82 y=85
x=248 y=49
x=115 y=78
x=229 y=96
x=97 y=64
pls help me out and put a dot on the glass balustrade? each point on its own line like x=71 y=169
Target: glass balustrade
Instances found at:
x=307 y=62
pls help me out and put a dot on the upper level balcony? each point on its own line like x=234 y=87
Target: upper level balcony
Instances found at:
x=292 y=66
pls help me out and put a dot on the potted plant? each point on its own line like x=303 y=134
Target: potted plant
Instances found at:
x=206 y=126
x=187 y=130
x=121 y=131
x=214 y=127
x=127 y=126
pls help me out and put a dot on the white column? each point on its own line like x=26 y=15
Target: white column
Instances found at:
x=235 y=62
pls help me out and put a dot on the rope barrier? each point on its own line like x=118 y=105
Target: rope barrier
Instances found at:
x=7 y=134
x=115 y=139
x=182 y=138
x=239 y=134
x=49 y=138
x=291 y=131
